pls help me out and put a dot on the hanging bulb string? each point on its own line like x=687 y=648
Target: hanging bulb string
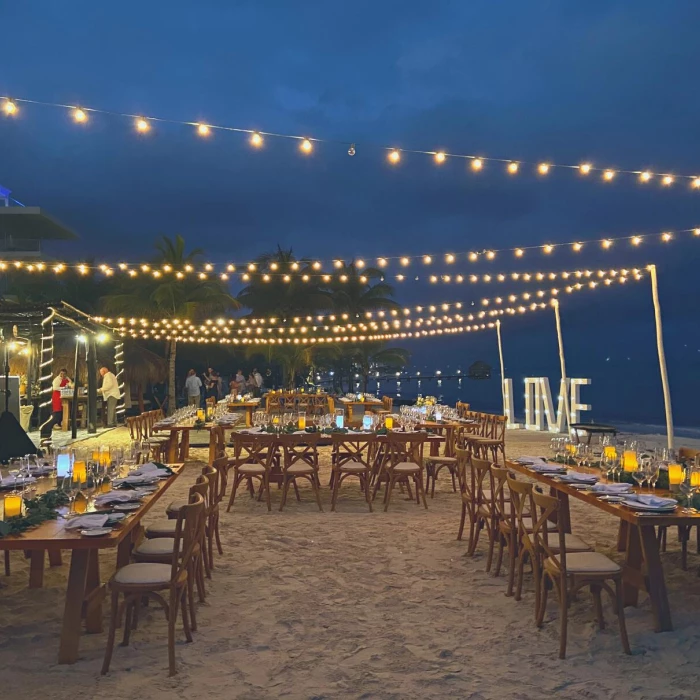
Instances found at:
x=9 y=105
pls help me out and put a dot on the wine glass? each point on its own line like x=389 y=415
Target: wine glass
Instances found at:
x=653 y=470
x=687 y=489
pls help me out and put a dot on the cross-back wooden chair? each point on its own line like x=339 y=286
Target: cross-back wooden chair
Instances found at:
x=567 y=572
x=300 y=460
x=156 y=581
x=435 y=463
x=493 y=443
x=505 y=529
x=478 y=491
x=404 y=463
x=352 y=457
x=252 y=456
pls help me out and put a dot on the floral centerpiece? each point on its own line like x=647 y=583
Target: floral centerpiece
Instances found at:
x=426 y=401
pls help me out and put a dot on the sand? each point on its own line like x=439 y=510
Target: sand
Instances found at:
x=351 y=605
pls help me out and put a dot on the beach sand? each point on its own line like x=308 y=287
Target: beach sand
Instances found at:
x=357 y=605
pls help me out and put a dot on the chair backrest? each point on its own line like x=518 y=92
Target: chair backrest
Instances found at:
x=522 y=504
x=388 y=403
x=217 y=439
x=221 y=464
x=331 y=404
x=133 y=429
x=501 y=511
x=253 y=449
x=499 y=428
x=352 y=448
x=450 y=441
x=548 y=507
x=482 y=481
x=406 y=447
x=212 y=475
x=189 y=529
x=300 y=448
x=464 y=473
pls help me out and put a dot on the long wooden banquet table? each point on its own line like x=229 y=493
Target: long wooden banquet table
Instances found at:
x=643 y=569
x=85 y=592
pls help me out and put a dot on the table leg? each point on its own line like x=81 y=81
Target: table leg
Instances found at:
x=212 y=448
x=563 y=515
x=75 y=594
x=185 y=446
x=656 y=584
x=36 y=568
x=434 y=448
x=172 y=446
x=632 y=574
x=248 y=416
x=94 y=594
x=66 y=415
x=622 y=536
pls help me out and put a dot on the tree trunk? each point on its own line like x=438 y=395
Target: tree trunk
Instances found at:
x=172 y=392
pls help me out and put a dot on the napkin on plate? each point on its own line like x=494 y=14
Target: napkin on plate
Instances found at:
x=651 y=501
x=87 y=522
x=613 y=488
x=530 y=460
x=10 y=482
x=579 y=477
x=546 y=468
x=116 y=497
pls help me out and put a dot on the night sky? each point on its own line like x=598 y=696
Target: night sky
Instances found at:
x=612 y=82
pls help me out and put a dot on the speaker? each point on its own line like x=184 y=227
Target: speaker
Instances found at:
x=13 y=383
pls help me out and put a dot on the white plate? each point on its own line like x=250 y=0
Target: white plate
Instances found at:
x=96 y=532
x=610 y=498
x=640 y=506
x=126 y=507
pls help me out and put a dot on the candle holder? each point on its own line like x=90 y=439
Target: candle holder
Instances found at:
x=12 y=505
x=389 y=422
x=339 y=418
x=301 y=420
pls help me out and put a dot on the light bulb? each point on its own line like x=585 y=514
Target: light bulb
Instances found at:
x=306 y=146
x=606 y=243
x=439 y=157
x=577 y=247
x=9 y=107
x=142 y=125
x=666 y=237
x=405 y=261
x=519 y=252
x=543 y=168
x=667 y=180
x=513 y=167
x=79 y=115
x=636 y=240
x=394 y=156
x=645 y=176
x=609 y=174
x=477 y=164
x=427 y=259
x=203 y=130
x=696 y=182
x=256 y=140
x=585 y=168
x=548 y=248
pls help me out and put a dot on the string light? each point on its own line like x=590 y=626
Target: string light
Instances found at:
x=79 y=115
x=203 y=130
x=9 y=106
x=394 y=156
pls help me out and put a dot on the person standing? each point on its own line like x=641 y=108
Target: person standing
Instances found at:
x=193 y=387
x=258 y=382
x=60 y=381
x=110 y=395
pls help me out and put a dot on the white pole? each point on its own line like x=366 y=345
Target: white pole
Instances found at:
x=503 y=374
x=555 y=304
x=662 y=356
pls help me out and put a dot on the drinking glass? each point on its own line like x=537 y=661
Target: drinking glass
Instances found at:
x=688 y=490
x=653 y=471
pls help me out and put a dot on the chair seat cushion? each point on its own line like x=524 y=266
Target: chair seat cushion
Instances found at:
x=175 y=506
x=406 y=467
x=300 y=468
x=161 y=528
x=146 y=574
x=251 y=469
x=353 y=466
x=586 y=563
x=572 y=544
x=160 y=546
x=441 y=459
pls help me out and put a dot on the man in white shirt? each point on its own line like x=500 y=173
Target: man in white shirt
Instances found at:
x=110 y=395
x=193 y=386
x=258 y=382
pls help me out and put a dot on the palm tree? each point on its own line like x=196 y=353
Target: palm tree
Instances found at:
x=375 y=357
x=170 y=297
x=358 y=294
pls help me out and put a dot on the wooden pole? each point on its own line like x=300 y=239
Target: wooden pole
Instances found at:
x=500 y=356
x=662 y=356
x=555 y=304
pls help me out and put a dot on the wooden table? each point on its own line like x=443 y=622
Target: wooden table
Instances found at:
x=355 y=410
x=179 y=447
x=247 y=406
x=643 y=569
x=67 y=403
x=85 y=593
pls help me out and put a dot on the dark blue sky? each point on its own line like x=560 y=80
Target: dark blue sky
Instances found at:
x=609 y=82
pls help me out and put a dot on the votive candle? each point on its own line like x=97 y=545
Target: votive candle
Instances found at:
x=675 y=474
x=79 y=472
x=200 y=414
x=366 y=422
x=13 y=505
x=302 y=421
x=610 y=452
x=389 y=422
x=629 y=460
x=695 y=478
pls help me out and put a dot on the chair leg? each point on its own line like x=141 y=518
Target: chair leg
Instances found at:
x=236 y=480
x=390 y=488
x=621 y=616
x=128 y=620
x=521 y=575
x=285 y=490
x=217 y=534
x=598 y=605
x=7 y=561
x=172 y=616
x=462 y=521
x=367 y=496
x=539 y=617
x=185 y=616
x=512 y=555
x=112 y=632
x=420 y=490
x=190 y=597
x=563 y=613
x=335 y=478
x=317 y=492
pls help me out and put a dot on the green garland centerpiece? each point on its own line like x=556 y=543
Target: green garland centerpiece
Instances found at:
x=36 y=511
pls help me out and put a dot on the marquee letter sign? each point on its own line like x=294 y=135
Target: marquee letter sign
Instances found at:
x=539 y=406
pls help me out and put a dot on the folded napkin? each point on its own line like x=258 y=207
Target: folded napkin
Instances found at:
x=613 y=488
x=580 y=477
x=10 y=482
x=651 y=501
x=87 y=522
x=117 y=497
x=531 y=460
x=546 y=468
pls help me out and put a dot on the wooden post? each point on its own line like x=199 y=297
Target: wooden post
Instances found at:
x=76 y=384
x=662 y=356
x=92 y=385
x=555 y=304
x=500 y=356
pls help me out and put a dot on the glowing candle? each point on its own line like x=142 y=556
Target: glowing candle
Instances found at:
x=63 y=464
x=675 y=474
x=275 y=420
x=629 y=460
x=95 y=455
x=367 y=422
x=389 y=422
x=79 y=472
x=302 y=421
x=360 y=397
x=104 y=456
x=695 y=478
x=200 y=414
x=339 y=418
x=13 y=505
x=610 y=452
x=438 y=416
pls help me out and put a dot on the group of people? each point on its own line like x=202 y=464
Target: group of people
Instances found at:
x=210 y=385
x=109 y=391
